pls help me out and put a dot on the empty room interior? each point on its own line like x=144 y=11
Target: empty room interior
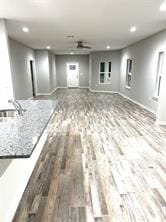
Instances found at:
x=83 y=111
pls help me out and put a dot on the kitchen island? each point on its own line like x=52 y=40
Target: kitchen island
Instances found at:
x=21 y=141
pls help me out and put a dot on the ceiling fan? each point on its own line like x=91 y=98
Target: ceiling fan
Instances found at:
x=80 y=45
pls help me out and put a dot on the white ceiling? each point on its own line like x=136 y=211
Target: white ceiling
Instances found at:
x=97 y=22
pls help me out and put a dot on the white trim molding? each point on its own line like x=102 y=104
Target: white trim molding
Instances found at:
x=83 y=87
x=46 y=94
x=62 y=87
x=110 y=92
x=161 y=123
x=126 y=97
x=30 y=98
x=54 y=90
x=43 y=94
x=99 y=91
x=79 y=87
x=139 y=104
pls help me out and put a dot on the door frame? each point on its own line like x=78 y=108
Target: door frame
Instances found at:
x=160 y=118
x=31 y=65
x=72 y=63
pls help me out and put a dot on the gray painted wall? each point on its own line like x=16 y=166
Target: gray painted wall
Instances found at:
x=6 y=88
x=45 y=71
x=145 y=58
x=42 y=71
x=161 y=112
x=95 y=59
x=21 y=76
x=143 y=53
x=83 y=61
x=52 y=70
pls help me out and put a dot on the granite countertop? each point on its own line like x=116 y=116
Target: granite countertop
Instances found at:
x=19 y=135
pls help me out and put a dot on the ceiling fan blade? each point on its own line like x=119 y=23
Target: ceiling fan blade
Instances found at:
x=80 y=45
x=86 y=47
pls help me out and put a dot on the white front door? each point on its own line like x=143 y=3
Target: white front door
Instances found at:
x=72 y=74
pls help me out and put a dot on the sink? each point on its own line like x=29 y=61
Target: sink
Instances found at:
x=6 y=114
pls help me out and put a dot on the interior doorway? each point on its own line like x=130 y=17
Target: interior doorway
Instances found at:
x=72 y=74
x=32 y=77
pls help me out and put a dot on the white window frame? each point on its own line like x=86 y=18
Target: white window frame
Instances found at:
x=107 y=73
x=160 y=71
x=129 y=72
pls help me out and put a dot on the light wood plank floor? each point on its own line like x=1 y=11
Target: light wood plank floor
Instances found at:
x=104 y=161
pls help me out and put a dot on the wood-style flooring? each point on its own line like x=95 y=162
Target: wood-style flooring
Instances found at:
x=104 y=161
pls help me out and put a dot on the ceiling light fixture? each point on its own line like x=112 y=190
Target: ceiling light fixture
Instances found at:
x=48 y=47
x=71 y=53
x=163 y=7
x=133 y=29
x=25 y=29
x=108 y=47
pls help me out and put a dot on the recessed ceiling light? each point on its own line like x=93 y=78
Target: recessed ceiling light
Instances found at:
x=71 y=53
x=25 y=29
x=108 y=47
x=48 y=47
x=133 y=28
x=163 y=7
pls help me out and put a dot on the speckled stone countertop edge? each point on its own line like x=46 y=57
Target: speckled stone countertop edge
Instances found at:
x=11 y=153
x=25 y=156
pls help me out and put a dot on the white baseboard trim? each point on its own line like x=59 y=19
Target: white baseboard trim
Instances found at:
x=99 y=91
x=66 y=87
x=54 y=90
x=161 y=123
x=59 y=87
x=139 y=104
x=83 y=87
x=62 y=87
x=42 y=94
x=46 y=94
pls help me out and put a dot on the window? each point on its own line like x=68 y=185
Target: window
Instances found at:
x=129 y=72
x=72 y=67
x=105 y=72
x=160 y=67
